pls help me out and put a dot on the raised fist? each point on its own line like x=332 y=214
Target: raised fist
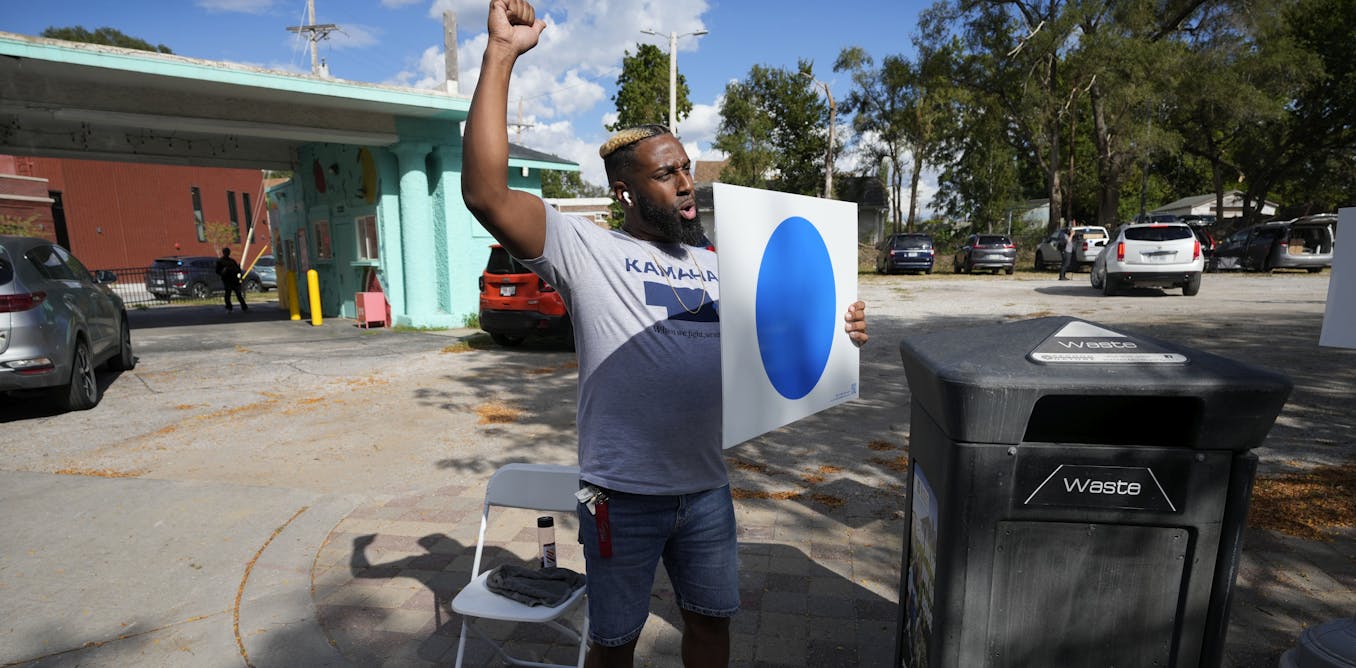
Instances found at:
x=514 y=24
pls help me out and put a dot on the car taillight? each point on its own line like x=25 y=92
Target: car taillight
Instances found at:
x=542 y=286
x=1120 y=252
x=1008 y=245
x=23 y=302
x=1085 y=245
x=1196 y=250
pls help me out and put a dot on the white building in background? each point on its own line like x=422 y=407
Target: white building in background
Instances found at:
x=1205 y=205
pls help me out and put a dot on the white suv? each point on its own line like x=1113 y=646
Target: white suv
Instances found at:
x=1165 y=255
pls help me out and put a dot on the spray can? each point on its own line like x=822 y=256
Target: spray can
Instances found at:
x=546 y=537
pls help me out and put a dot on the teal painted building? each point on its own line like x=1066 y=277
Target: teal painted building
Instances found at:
x=391 y=219
x=375 y=197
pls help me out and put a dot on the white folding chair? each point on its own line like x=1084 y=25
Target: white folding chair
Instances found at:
x=542 y=487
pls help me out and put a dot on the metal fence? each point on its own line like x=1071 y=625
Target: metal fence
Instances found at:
x=131 y=286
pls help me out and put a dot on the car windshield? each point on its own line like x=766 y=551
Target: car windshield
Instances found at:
x=1158 y=233
x=6 y=270
x=992 y=240
x=912 y=242
x=165 y=263
x=265 y=261
x=503 y=263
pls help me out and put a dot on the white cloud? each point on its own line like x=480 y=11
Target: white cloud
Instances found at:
x=354 y=36
x=241 y=6
x=561 y=139
x=470 y=13
x=427 y=73
x=700 y=127
x=568 y=77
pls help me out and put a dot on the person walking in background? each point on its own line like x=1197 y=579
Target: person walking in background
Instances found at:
x=229 y=271
x=1066 y=251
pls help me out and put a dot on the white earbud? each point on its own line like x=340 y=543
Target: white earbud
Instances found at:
x=626 y=197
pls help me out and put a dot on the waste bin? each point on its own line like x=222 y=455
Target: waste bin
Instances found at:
x=1077 y=496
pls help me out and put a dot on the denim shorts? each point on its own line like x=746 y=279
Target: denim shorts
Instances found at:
x=695 y=536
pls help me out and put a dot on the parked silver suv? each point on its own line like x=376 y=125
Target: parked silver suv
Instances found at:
x=1164 y=255
x=1303 y=243
x=57 y=323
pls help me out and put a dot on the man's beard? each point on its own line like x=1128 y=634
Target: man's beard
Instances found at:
x=671 y=225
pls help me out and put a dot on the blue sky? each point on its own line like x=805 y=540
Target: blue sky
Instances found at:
x=565 y=85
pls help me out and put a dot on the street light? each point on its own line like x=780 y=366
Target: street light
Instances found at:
x=673 y=72
x=828 y=153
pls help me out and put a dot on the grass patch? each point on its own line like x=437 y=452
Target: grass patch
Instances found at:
x=495 y=412
x=739 y=494
x=99 y=473
x=900 y=463
x=1307 y=504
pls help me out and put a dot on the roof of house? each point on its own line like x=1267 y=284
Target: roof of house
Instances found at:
x=1197 y=200
x=864 y=190
x=708 y=171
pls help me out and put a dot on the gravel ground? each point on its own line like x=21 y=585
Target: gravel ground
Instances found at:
x=272 y=403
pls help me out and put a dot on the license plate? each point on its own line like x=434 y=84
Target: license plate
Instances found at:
x=1159 y=258
x=508 y=290
x=993 y=257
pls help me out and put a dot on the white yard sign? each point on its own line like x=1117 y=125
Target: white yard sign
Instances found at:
x=788 y=272
x=1339 y=320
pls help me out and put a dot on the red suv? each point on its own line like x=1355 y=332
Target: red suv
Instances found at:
x=516 y=304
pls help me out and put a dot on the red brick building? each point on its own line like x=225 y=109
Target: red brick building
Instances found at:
x=124 y=215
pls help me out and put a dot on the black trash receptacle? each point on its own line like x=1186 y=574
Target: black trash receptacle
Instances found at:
x=1077 y=496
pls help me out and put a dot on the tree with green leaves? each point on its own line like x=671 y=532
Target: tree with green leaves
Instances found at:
x=106 y=36
x=564 y=184
x=774 y=128
x=643 y=90
x=1307 y=153
x=878 y=103
x=1012 y=53
x=901 y=107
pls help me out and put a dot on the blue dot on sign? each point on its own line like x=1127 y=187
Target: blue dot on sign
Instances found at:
x=795 y=307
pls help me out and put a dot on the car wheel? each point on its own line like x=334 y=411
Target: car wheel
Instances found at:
x=253 y=285
x=1108 y=286
x=199 y=291
x=82 y=391
x=928 y=270
x=162 y=296
x=1092 y=278
x=1193 y=286
x=506 y=340
x=1313 y=270
x=125 y=360
x=1009 y=270
x=1037 y=264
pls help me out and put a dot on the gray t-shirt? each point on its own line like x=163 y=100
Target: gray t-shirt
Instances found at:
x=647 y=335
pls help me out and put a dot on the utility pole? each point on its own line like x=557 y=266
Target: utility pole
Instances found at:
x=673 y=72
x=314 y=33
x=451 y=71
x=828 y=153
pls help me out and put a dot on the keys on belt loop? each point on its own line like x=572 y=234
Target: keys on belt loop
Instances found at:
x=596 y=501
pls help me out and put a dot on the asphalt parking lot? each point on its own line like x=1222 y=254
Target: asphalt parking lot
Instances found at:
x=230 y=422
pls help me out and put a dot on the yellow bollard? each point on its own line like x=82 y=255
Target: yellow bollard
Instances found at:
x=313 y=290
x=293 y=299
